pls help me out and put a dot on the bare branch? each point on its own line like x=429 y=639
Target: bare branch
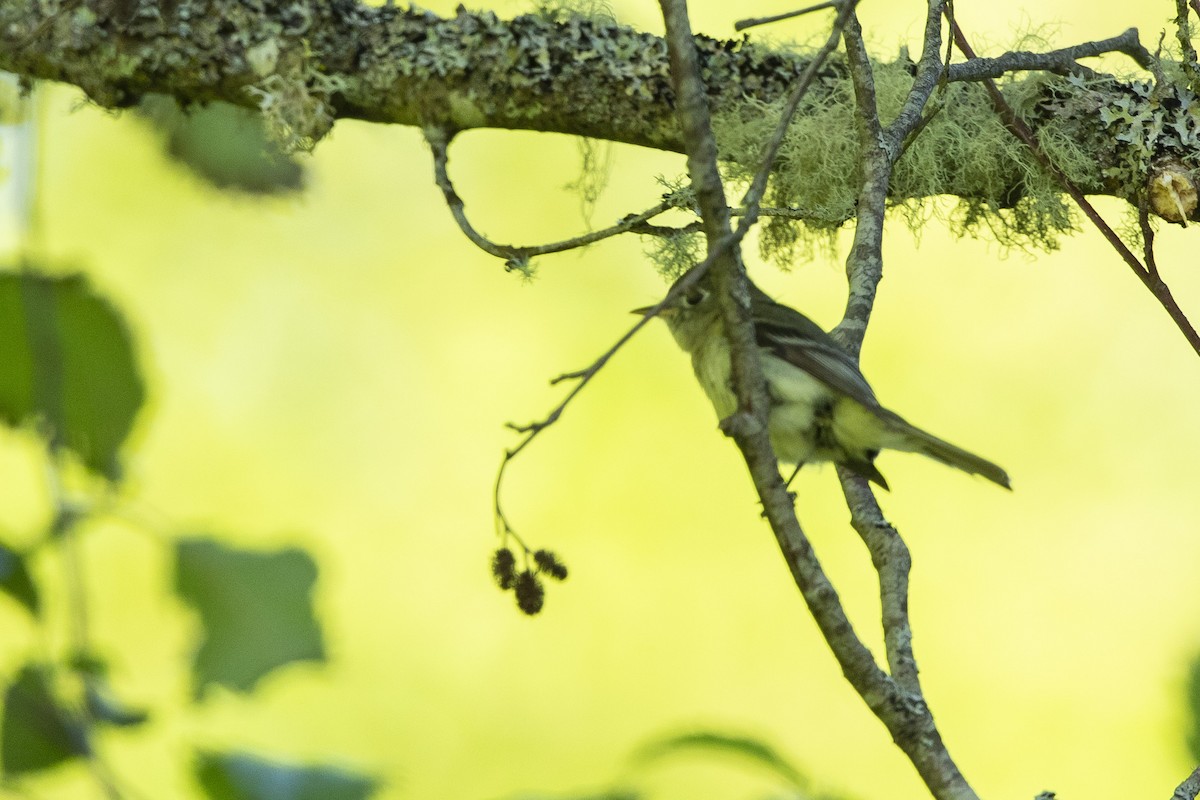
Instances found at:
x=914 y=731
x=1147 y=238
x=532 y=429
x=648 y=229
x=743 y=24
x=517 y=256
x=584 y=376
x=1061 y=62
x=1190 y=788
x=864 y=265
x=1150 y=280
x=892 y=561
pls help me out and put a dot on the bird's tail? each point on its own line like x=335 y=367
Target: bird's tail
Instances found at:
x=918 y=441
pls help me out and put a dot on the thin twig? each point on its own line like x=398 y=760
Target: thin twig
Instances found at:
x=1151 y=281
x=1061 y=62
x=519 y=255
x=650 y=229
x=583 y=376
x=912 y=116
x=743 y=24
x=727 y=242
x=1147 y=237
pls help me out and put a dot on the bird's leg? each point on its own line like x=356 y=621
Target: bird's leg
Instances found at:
x=791 y=495
x=795 y=472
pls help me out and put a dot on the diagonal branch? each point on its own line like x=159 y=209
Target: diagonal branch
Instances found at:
x=1150 y=279
x=888 y=551
x=904 y=713
x=749 y=428
x=1190 y=788
x=915 y=731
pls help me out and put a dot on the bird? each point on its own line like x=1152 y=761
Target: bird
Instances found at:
x=821 y=407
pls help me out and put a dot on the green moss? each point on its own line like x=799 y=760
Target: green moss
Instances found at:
x=964 y=149
x=674 y=255
x=814 y=171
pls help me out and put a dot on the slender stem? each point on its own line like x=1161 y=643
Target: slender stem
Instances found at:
x=519 y=255
x=743 y=24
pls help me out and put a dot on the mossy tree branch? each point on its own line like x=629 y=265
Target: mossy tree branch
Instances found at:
x=305 y=64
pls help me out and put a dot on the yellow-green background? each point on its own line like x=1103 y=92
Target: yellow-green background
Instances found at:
x=334 y=370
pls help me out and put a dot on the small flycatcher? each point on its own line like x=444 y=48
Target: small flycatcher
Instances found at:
x=822 y=408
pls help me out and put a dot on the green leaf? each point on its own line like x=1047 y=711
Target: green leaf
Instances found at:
x=105 y=707
x=225 y=145
x=239 y=776
x=256 y=609
x=35 y=733
x=67 y=362
x=746 y=747
x=15 y=580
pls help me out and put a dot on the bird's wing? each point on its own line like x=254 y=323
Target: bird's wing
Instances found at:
x=796 y=339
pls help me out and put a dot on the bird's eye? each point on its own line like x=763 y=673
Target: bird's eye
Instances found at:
x=693 y=298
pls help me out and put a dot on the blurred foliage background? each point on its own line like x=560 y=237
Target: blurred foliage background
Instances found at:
x=327 y=373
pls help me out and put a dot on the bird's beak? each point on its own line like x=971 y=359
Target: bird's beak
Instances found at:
x=644 y=310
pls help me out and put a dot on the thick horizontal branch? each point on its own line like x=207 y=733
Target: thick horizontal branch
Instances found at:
x=581 y=76
x=307 y=63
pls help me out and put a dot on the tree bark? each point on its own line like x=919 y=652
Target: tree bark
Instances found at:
x=304 y=65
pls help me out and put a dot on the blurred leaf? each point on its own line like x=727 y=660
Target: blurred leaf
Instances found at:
x=256 y=609
x=238 y=776
x=35 y=734
x=65 y=518
x=1193 y=704
x=225 y=145
x=106 y=708
x=15 y=580
x=88 y=664
x=755 y=750
x=67 y=361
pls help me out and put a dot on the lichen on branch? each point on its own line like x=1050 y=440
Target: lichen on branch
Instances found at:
x=306 y=63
